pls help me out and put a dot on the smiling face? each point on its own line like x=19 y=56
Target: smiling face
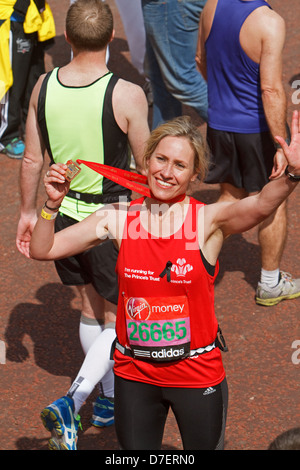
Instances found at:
x=171 y=168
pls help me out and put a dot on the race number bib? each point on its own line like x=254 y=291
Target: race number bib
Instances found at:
x=158 y=329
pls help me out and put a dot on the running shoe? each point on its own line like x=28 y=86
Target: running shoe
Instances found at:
x=103 y=413
x=287 y=288
x=15 y=149
x=58 y=418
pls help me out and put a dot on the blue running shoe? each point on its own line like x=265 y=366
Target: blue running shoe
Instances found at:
x=103 y=413
x=15 y=149
x=58 y=418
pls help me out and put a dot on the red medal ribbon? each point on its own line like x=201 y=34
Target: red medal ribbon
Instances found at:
x=125 y=178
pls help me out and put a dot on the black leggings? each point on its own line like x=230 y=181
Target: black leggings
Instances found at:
x=141 y=411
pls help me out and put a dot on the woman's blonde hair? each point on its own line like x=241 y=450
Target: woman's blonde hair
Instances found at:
x=180 y=127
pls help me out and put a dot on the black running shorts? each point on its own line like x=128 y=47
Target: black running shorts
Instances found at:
x=242 y=160
x=141 y=411
x=95 y=266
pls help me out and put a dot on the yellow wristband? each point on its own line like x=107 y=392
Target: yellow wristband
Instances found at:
x=47 y=216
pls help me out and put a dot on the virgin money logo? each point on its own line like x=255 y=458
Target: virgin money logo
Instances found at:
x=138 y=308
x=181 y=268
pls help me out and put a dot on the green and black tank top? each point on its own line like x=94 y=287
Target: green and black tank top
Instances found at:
x=78 y=123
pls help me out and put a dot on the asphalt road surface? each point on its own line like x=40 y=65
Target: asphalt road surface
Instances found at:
x=40 y=352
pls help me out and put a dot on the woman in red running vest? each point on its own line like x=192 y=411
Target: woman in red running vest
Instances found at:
x=168 y=348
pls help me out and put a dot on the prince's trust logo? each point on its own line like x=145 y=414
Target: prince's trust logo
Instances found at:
x=181 y=268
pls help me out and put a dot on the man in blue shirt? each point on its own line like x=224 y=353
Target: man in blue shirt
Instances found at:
x=240 y=55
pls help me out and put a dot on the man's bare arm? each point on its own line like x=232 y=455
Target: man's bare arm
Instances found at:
x=273 y=93
x=131 y=113
x=31 y=169
x=205 y=24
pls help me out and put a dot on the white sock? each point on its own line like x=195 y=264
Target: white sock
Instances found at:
x=89 y=330
x=270 y=278
x=96 y=365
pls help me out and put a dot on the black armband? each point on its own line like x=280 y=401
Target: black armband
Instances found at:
x=295 y=178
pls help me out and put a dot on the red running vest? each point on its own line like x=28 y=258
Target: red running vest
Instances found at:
x=162 y=312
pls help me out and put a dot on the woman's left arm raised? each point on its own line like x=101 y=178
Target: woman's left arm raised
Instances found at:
x=240 y=216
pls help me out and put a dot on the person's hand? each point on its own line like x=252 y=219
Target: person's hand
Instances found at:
x=292 y=151
x=56 y=184
x=24 y=231
x=280 y=163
